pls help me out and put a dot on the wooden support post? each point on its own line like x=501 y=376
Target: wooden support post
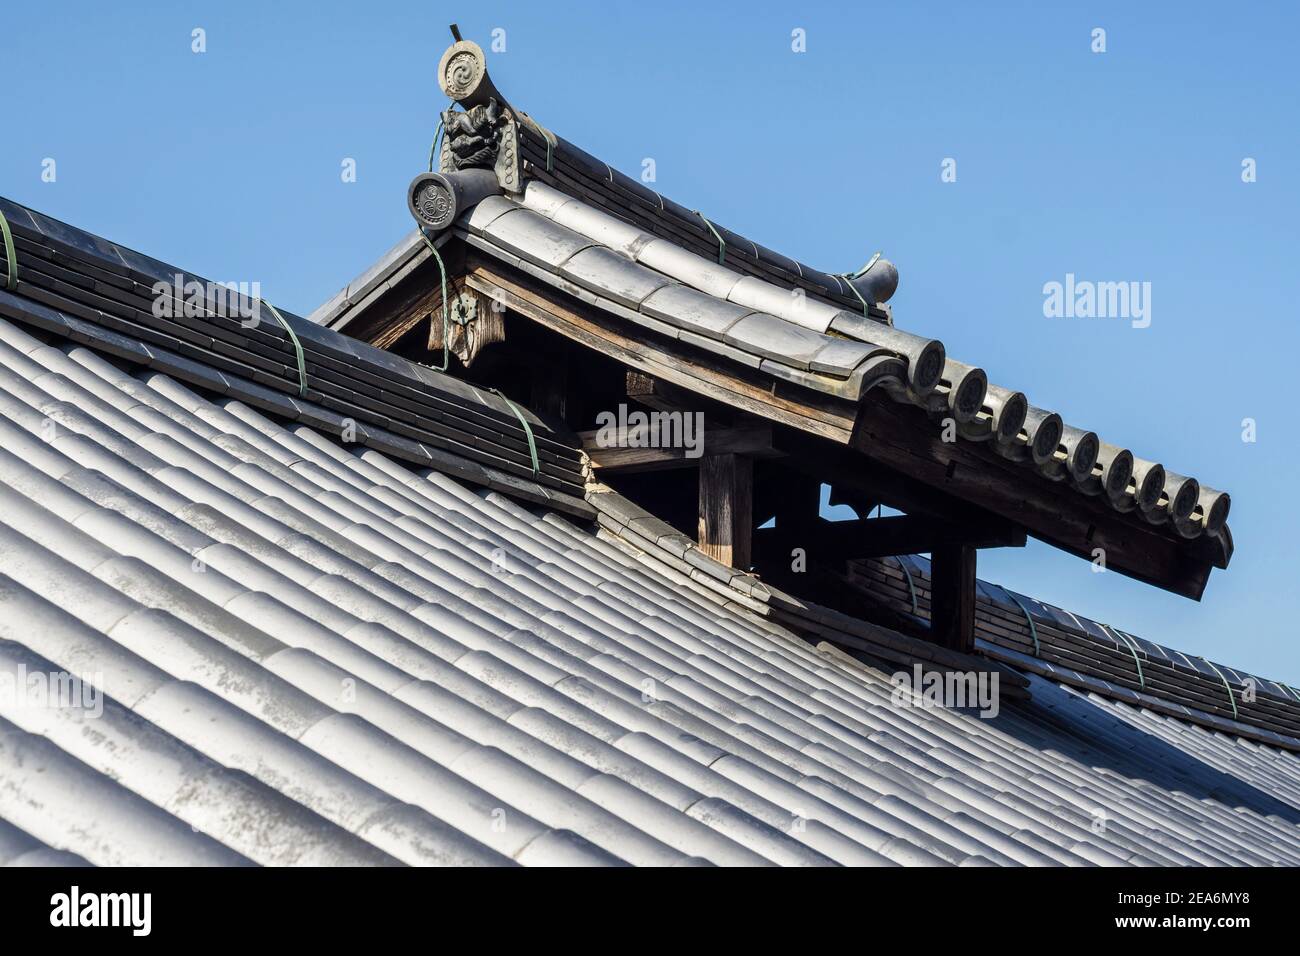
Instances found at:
x=952 y=601
x=726 y=509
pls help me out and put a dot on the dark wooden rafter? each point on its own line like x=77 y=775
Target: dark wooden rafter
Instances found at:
x=952 y=545
x=396 y=311
x=886 y=536
x=752 y=442
x=657 y=394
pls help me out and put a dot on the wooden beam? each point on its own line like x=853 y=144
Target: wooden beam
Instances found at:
x=753 y=442
x=796 y=502
x=861 y=502
x=726 y=509
x=883 y=537
x=659 y=395
x=894 y=460
x=662 y=358
x=952 y=602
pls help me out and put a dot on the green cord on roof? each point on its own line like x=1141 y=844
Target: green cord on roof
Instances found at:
x=722 y=246
x=911 y=588
x=549 y=138
x=446 y=352
x=528 y=430
x=437 y=135
x=11 y=257
x=446 y=327
x=1133 y=649
x=550 y=147
x=297 y=348
x=1231 y=699
x=844 y=275
x=1033 y=629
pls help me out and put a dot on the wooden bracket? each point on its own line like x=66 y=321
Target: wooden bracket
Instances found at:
x=474 y=320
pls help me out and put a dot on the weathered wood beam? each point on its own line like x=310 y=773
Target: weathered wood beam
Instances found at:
x=660 y=395
x=726 y=522
x=629 y=458
x=662 y=358
x=883 y=537
x=952 y=604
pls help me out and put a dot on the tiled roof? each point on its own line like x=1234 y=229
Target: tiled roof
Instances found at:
x=92 y=290
x=1010 y=628
x=1070 y=648
x=314 y=653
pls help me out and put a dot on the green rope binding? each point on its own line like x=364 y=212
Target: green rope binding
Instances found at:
x=844 y=275
x=854 y=289
x=549 y=138
x=528 y=429
x=722 y=246
x=11 y=257
x=1228 y=687
x=1033 y=628
x=1132 y=647
x=446 y=352
x=437 y=135
x=297 y=349
x=446 y=325
x=911 y=587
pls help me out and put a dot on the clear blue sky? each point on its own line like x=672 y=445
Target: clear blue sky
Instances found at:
x=1117 y=166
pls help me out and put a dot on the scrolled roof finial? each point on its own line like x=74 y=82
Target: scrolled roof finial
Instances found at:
x=463 y=76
